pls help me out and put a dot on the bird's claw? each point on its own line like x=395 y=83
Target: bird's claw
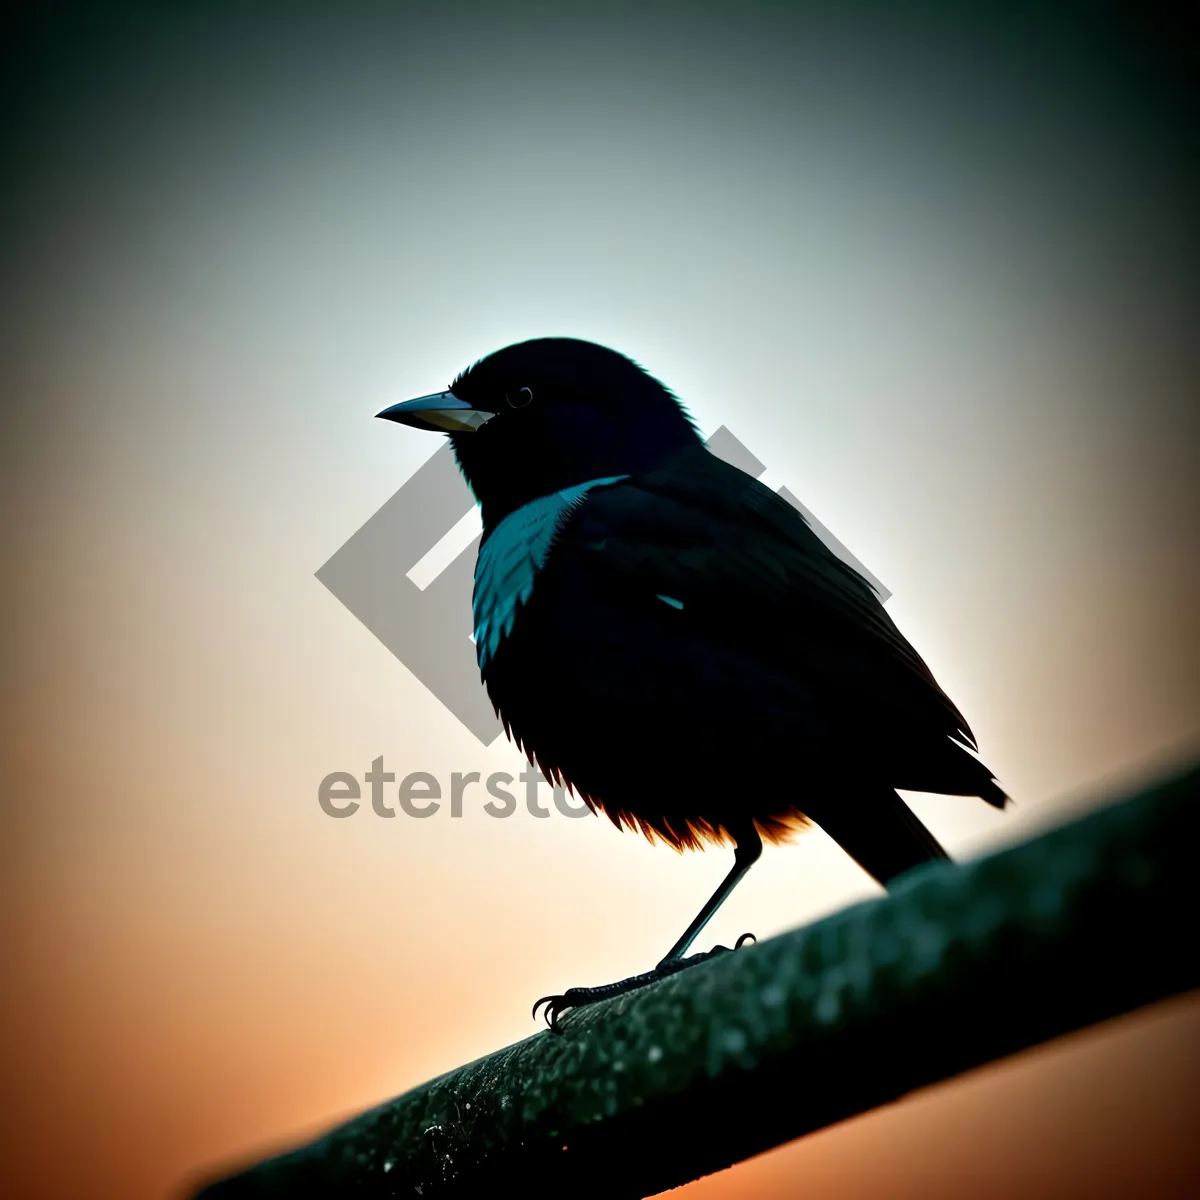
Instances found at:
x=578 y=997
x=742 y=941
x=555 y=1005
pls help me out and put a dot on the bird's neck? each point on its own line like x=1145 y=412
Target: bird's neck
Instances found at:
x=520 y=489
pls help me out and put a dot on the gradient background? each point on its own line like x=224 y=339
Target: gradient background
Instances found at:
x=939 y=275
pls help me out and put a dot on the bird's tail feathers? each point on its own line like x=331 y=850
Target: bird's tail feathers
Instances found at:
x=880 y=832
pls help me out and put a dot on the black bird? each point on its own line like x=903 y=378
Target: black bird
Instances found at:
x=671 y=640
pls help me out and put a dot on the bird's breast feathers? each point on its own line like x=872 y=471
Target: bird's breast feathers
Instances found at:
x=510 y=559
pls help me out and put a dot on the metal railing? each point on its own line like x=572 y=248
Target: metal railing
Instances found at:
x=960 y=965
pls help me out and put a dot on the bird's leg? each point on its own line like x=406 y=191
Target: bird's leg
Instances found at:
x=747 y=850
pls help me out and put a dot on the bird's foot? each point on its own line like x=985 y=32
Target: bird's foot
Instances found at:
x=580 y=997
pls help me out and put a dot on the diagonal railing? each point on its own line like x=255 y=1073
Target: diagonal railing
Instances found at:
x=960 y=965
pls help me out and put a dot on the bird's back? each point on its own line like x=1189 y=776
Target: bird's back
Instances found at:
x=691 y=656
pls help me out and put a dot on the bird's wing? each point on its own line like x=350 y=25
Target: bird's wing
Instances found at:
x=745 y=569
x=510 y=559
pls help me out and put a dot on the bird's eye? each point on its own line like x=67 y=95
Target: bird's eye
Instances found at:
x=521 y=398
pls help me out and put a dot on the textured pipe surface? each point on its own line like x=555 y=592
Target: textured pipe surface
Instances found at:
x=960 y=965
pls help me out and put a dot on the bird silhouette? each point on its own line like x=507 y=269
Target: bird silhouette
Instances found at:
x=669 y=638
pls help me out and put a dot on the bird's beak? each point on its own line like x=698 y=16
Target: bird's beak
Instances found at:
x=442 y=412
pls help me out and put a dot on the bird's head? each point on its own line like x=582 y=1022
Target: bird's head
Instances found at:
x=547 y=414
